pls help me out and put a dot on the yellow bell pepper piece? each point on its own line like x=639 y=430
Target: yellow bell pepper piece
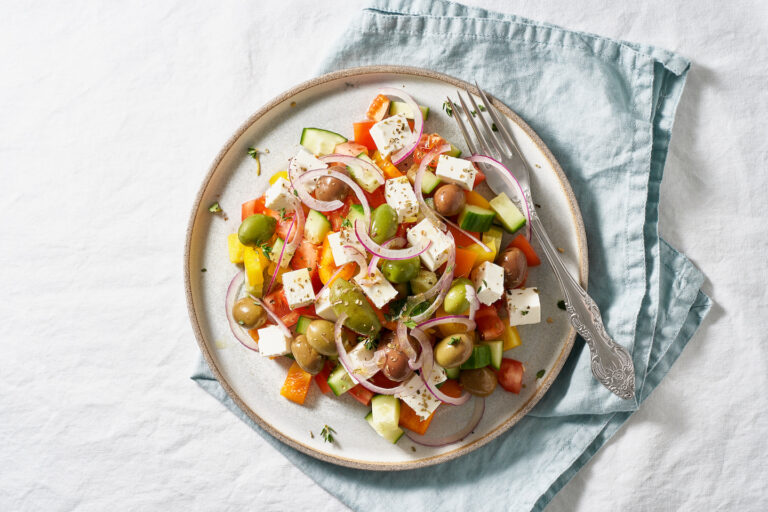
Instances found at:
x=477 y=200
x=511 y=337
x=271 y=270
x=236 y=249
x=491 y=238
x=449 y=329
x=277 y=176
x=389 y=169
x=255 y=263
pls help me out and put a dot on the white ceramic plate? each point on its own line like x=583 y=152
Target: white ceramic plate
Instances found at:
x=333 y=102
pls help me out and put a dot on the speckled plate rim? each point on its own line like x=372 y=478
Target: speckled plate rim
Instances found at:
x=545 y=383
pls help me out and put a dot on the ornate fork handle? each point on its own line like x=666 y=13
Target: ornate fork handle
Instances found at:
x=611 y=363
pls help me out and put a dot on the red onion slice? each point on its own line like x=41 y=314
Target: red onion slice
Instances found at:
x=232 y=292
x=405 y=346
x=395 y=242
x=428 y=212
x=384 y=253
x=441 y=287
x=351 y=369
x=353 y=160
x=418 y=123
x=357 y=257
x=274 y=317
x=474 y=421
x=299 y=185
x=474 y=303
x=298 y=215
x=282 y=253
x=507 y=175
x=450 y=319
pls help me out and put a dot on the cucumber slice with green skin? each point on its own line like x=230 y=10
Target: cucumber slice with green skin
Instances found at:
x=454 y=152
x=476 y=218
x=274 y=254
x=385 y=416
x=497 y=350
x=364 y=177
x=316 y=227
x=302 y=324
x=452 y=373
x=429 y=182
x=319 y=141
x=400 y=107
x=355 y=213
x=480 y=358
x=339 y=381
x=507 y=213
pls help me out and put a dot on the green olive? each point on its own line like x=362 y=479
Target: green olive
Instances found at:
x=383 y=223
x=401 y=271
x=452 y=351
x=306 y=356
x=403 y=290
x=256 y=229
x=423 y=281
x=480 y=382
x=320 y=337
x=347 y=299
x=248 y=314
x=456 y=302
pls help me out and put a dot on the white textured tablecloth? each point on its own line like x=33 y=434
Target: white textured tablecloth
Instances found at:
x=109 y=118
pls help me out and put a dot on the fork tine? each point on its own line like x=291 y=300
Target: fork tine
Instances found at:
x=462 y=127
x=481 y=142
x=499 y=124
x=488 y=131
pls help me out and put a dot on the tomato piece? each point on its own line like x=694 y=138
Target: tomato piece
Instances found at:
x=361 y=394
x=321 y=379
x=291 y=318
x=252 y=207
x=402 y=229
x=488 y=322
x=362 y=134
x=510 y=375
x=460 y=238
x=427 y=143
x=375 y=198
x=479 y=178
x=378 y=109
x=350 y=148
x=284 y=221
x=296 y=384
x=336 y=217
x=277 y=303
x=412 y=421
x=452 y=388
x=306 y=256
x=524 y=245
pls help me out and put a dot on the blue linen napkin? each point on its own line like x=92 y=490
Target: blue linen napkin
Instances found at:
x=605 y=108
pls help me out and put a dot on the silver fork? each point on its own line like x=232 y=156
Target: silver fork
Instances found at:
x=611 y=363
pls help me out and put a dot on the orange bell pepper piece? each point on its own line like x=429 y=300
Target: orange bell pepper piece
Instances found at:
x=296 y=384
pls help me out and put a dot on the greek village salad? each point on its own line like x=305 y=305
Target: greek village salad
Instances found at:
x=386 y=269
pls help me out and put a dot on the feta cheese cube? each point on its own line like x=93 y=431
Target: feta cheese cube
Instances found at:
x=358 y=356
x=523 y=306
x=272 y=342
x=323 y=306
x=391 y=134
x=418 y=397
x=375 y=286
x=279 y=195
x=338 y=240
x=305 y=161
x=456 y=170
x=488 y=279
x=425 y=232
x=400 y=196
x=298 y=288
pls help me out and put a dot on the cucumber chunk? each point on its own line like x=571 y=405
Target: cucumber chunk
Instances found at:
x=497 y=350
x=355 y=212
x=475 y=218
x=302 y=324
x=339 y=381
x=319 y=141
x=365 y=177
x=454 y=152
x=429 y=182
x=452 y=373
x=385 y=416
x=480 y=358
x=400 y=107
x=507 y=213
x=316 y=227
